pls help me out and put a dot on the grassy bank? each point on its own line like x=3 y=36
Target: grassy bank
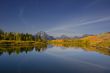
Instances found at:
x=14 y=42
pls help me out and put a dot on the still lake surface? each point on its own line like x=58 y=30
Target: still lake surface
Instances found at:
x=54 y=59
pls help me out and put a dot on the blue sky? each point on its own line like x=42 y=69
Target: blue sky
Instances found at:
x=56 y=17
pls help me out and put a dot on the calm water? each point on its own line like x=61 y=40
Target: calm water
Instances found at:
x=54 y=59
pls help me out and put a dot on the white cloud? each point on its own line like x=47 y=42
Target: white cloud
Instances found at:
x=21 y=13
x=69 y=27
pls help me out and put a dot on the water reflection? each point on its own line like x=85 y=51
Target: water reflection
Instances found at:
x=19 y=49
x=42 y=47
x=101 y=50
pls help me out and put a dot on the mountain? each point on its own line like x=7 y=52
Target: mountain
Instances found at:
x=50 y=37
x=92 y=38
x=68 y=37
x=63 y=37
x=44 y=35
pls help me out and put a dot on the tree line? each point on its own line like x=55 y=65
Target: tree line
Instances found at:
x=21 y=36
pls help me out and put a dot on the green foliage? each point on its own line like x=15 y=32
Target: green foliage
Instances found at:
x=1 y=34
x=1 y=31
x=20 y=37
x=12 y=38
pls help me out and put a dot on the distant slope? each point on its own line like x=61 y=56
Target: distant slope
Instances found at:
x=102 y=40
x=44 y=35
x=98 y=38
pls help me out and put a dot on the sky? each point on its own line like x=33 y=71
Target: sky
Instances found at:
x=56 y=17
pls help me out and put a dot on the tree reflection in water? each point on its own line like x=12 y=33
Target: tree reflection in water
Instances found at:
x=19 y=49
x=40 y=47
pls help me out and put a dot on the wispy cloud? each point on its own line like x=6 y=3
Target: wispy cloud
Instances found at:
x=93 y=21
x=93 y=3
x=21 y=13
x=69 y=27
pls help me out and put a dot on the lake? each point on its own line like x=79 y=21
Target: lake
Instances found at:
x=54 y=59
